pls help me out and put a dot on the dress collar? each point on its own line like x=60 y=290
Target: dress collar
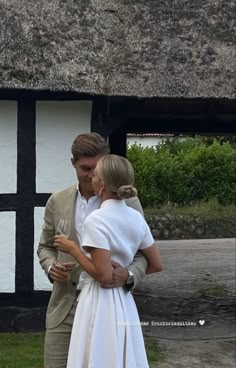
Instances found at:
x=115 y=202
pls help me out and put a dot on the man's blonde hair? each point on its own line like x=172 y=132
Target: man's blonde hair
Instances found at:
x=89 y=145
x=117 y=174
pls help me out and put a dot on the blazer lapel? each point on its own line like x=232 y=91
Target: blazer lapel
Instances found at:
x=69 y=210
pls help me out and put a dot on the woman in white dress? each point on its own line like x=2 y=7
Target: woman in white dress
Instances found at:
x=106 y=330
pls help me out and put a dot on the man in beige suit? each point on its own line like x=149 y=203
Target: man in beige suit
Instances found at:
x=73 y=205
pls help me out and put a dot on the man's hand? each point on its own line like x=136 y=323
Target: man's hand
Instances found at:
x=119 y=276
x=60 y=271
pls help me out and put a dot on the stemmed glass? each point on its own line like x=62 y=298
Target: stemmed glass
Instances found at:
x=63 y=228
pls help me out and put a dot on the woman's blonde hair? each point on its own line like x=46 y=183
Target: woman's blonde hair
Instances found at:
x=117 y=174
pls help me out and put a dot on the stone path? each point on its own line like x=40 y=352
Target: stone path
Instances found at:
x=197 y=287
x=197 y=354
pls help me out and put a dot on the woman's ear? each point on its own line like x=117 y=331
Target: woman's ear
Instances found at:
x=101 y=189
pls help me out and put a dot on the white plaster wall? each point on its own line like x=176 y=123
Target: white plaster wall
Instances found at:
x=8 y=146
x=40 y=279
x=57 y=124
x=144 y=141
x=7 y=252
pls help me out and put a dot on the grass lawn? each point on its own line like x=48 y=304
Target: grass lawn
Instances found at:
x=18 y=350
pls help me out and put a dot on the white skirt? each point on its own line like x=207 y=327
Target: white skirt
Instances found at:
x=106 y=331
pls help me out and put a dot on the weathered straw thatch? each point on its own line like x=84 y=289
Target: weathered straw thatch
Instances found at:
x=166 y=48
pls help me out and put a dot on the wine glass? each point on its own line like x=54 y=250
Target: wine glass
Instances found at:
x=63 y=228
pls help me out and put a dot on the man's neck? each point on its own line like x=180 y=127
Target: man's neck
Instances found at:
x=87 y=194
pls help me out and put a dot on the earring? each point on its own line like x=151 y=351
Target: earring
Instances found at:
x=100 y=192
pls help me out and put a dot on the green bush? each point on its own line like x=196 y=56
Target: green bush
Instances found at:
x=184 y=172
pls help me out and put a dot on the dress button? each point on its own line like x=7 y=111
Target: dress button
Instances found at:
x=74 y=283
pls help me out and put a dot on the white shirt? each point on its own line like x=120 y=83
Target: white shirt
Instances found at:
x=82 y=209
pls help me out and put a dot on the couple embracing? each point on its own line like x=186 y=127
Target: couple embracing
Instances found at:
x=107 y=251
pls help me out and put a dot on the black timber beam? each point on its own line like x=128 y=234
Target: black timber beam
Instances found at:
x=14 y=202
x=16 y=94
x=117 y=142
x=187 y=125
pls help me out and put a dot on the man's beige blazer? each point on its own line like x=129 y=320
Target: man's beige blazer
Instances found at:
x=61 y=205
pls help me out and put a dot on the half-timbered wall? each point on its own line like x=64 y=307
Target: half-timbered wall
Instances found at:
x=35 y=143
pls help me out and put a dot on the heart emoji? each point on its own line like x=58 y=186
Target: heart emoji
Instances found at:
x=201 y=322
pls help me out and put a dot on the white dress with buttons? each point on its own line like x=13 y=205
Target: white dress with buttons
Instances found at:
x=106 y=331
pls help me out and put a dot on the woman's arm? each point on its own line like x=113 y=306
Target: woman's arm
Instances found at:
x=153 y=257
x=99 y=267
x=102 y=262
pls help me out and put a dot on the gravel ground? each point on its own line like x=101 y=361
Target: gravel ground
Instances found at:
x=197 y=287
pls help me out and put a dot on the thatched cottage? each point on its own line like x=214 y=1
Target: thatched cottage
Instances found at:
x=115 y=67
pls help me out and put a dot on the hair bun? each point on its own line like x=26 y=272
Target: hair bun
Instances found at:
x=126 y=191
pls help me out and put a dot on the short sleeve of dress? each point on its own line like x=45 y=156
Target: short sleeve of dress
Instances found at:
x=148 y=239
x=95 y=234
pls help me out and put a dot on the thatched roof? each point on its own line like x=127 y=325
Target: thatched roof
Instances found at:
x=166 y=48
